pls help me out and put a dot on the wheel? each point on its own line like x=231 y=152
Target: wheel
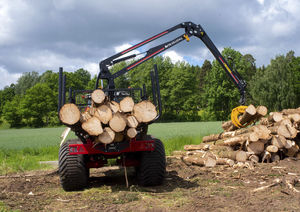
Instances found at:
x=152 y=168
x=73 y=172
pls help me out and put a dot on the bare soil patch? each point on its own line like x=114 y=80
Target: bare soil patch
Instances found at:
x=186 y=188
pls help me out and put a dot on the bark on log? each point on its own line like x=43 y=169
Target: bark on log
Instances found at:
x=107 y=136
x=98 y=96
x=131 y=132
x=131 y=121
x=126 y=104
x=256 y=147
x=69 y=114
x=118 y=122
x=114 y=106
x=93 y=126
x=104 y=114
x=144 y=111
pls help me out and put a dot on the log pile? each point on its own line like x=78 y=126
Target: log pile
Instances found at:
x=108 y=121
x=274 y=137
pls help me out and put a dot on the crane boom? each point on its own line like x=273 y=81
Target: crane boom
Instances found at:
x=191 y=29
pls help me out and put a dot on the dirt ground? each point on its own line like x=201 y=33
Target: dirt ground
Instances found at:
x=186 y=188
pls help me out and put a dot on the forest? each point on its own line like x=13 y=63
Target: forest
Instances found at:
x=188 y=92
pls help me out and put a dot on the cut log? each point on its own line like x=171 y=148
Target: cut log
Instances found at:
x=264 y=121
x=263 y=132
x=114 y=106
x=104 y=114
x=98 y=96
x=107 y=136
x=119 y=137
x=118 y=122
x=126 y=104
x=261 y=111
x=291 y=111
x=295 y=118
x=93 y=126
x=69 y=114
x=279 y=141
x=233 y=141
x=200 y=161
x=215 y=137
x=284 y=121
x=224 y=152
x=289 y=144
x=201 y=146
x=226 y=125
x=131 y=132
x=254 y=158
x=256 y=147
x=287 y=131
x=225 y=161
x=131 y=121
x=291 y=152
x=144 y=111
x=272 y=148
x=241 y=156
x=275 y=117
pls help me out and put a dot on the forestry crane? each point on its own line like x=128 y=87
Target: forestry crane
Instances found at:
x=144 y=152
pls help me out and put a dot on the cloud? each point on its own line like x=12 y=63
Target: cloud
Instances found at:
x=7 y=78
x=174 y=56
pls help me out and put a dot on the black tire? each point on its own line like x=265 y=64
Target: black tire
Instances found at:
x=152 y=168
x=73 y=172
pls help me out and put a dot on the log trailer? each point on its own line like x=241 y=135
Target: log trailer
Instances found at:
x=144 y=152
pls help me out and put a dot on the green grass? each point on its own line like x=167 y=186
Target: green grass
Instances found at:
x=22 y=149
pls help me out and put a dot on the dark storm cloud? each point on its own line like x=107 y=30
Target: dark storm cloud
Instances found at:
x=39 y=35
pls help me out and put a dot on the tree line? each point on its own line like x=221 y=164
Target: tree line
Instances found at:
x=189 y=93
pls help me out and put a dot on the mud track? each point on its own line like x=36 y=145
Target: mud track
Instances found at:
x=186 y=188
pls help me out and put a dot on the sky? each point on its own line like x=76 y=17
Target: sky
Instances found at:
x=44 y=35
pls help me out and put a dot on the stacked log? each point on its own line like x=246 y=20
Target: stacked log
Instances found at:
x=108 y=121
x=274 y=137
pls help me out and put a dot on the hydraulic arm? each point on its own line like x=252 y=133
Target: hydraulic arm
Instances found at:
x=191 y=29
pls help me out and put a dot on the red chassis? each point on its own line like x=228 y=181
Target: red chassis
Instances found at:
x=111 y=152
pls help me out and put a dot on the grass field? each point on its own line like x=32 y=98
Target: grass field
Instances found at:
x=22 y=149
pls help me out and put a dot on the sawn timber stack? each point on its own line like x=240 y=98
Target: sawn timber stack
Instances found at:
x=272 y=139
x=108 y=121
